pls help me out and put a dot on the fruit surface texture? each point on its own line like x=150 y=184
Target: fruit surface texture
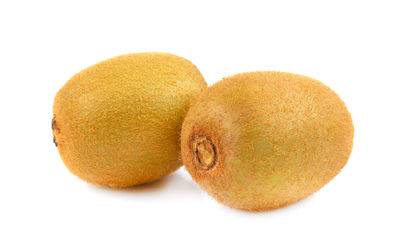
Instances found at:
x=263 y=140
x=117 y=123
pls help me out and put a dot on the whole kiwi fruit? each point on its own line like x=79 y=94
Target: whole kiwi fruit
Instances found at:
x=263 y=140
x=117 y=123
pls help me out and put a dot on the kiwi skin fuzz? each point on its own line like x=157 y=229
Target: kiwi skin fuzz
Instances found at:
x=263 y=140
x=118 y=122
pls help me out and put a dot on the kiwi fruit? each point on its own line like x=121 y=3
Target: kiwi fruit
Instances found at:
x=263 y=140
x=117 y=123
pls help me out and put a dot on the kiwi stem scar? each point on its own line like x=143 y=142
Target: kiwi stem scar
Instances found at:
x=204 y=152
x=54 y=128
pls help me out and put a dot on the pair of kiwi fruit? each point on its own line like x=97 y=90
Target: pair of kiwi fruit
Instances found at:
x=254 y=141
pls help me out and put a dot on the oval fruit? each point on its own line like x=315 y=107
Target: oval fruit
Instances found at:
x=117 y=123
x=263 y=140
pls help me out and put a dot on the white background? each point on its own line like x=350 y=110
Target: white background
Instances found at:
x=352 y=46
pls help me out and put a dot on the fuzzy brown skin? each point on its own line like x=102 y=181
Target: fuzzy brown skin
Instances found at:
x=277 y=137
x=117 y=123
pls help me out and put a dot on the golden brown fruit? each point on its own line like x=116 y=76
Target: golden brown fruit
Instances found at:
x=117 y=123
x=263 y=140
